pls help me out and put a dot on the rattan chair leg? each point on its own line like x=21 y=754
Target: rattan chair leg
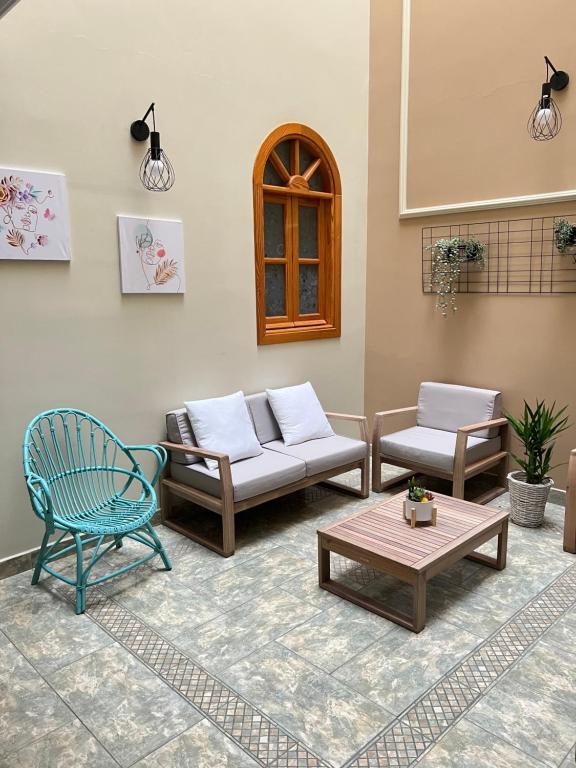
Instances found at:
x=159 y=547
x=40 y=559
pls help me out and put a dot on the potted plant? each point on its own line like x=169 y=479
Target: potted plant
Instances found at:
x=419 y=504
x=448 y=255
x=529 y=487
x=564 y=235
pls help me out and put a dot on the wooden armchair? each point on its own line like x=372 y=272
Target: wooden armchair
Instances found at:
x=439 y=445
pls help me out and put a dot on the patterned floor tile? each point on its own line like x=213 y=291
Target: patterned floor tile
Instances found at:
x=69 y=745
x=321 y=712
x=246 y=581
x=395 y=672
x=438 y=709
x=399 y=746
x=239 y=632
x=539 y=725
x=468 y=746
x=336 y=635
x=50 y=638
x=128 y=708
x=29 y=709
x=202 y=746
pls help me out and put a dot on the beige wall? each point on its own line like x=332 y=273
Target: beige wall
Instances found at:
x=523 y=346
x=223 y=74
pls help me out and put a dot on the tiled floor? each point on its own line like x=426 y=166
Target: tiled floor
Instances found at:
x=243 y=661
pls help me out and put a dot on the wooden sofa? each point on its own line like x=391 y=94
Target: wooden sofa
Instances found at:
x=459 y=433
x=234 y=487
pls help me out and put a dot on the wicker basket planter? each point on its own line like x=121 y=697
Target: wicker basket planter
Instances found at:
x=527 y=501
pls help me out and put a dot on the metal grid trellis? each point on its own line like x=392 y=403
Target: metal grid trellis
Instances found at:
x=520 y=257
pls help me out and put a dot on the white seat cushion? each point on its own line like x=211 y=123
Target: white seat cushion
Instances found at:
x=434 y=447
x=324 y=453
x=250 y=477
x=451 y=406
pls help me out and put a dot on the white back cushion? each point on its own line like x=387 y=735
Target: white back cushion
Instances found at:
x=299 y=414
x=224 y=424
x=450 y=406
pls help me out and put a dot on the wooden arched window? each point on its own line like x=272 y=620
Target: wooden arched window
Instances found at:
x=297 y=234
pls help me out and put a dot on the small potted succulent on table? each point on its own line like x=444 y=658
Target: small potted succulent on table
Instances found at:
x=419 y=505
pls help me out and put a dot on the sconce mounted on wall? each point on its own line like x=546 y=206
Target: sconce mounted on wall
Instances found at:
x=156 y=171
x=545 y=121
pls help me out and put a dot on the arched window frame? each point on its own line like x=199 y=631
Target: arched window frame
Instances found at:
x=294 y=326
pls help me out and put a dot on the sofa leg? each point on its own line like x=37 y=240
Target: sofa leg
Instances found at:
x=365 y=478
x=376 y=472
x=228 y=528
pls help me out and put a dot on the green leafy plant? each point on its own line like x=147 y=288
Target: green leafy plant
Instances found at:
x=415 y=493
x=564 y=234
x=536 y=430
x=448 y=255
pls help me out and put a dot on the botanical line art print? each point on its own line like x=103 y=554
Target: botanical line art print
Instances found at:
x=151 y=255
x=33 y=215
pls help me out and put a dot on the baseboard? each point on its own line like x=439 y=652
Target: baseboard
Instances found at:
x=25 y=561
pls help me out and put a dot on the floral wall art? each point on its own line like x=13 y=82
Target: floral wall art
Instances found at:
x=34 y=222
x=151 y=255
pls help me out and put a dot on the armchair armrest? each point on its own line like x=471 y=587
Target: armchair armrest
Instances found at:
x=379 y=421
x=362 y=421
x=159 y=453
x=41 y=500
x=500 y=422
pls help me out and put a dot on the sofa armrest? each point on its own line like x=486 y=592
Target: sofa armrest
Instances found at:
x=224 y=470
x=362 y=421
x=194 y=451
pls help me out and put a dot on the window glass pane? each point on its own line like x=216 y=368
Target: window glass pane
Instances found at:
x=274 y=231
x=275 y=290
x=308 y=288
x=283 y=152
x=307 y=232
x=316 y=182
x=271 y=175
x=306 y=158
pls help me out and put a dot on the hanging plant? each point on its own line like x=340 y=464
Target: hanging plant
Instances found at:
x=448 y=255
x=564 y=235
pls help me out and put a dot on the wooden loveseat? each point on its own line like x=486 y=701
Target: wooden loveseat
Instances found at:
x=234 y=487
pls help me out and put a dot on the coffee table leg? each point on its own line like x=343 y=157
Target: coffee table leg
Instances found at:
x=419 y=603
x=323 y=563
x=502 y=545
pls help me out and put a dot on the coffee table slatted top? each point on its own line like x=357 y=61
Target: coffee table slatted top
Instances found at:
x=383 y=531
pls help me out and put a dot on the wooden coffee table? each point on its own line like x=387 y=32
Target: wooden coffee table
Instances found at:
x=380 y=538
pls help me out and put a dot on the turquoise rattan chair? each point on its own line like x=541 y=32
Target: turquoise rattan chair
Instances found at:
x=84 y=481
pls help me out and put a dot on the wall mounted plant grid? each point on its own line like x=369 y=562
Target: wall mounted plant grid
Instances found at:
x=521 y=257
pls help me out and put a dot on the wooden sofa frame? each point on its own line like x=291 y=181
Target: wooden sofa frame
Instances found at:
x=226 y=507
x=570 y=509
x=461 y=471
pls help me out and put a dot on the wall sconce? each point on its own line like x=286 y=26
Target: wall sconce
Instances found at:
x=545 y=121
x=156 y=171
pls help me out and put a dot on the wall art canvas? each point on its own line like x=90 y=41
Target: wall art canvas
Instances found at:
x=151 y=255
x=34 y=222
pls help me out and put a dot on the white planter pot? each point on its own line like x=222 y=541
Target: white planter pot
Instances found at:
x=527 y=501
x=423 y=510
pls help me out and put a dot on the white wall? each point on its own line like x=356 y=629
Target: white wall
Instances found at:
x=223 y=74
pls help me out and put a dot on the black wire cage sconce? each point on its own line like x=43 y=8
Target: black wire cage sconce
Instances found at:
x=545 y=120
x=156 y=170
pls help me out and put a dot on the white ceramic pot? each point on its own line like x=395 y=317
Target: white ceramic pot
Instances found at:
x=423 y=510
x=527 y=501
